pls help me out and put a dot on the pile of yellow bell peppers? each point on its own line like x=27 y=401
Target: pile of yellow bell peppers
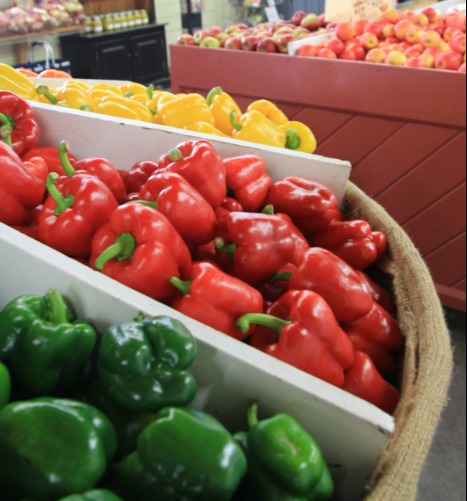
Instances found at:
x=217 y=114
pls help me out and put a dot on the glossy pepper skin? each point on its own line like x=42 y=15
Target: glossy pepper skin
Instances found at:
x=205 y=128
x=363 y=380
x=270 y=111
x=50 y=155
x=60 y=446
x=139 y=173
x=45 y=347
x=262 y=245
x=94 y=495
x=381 y=295
x=199 y=163
x=184 y=110
x=143 y=364
x=76 y=208
x=254 y=127
x=5 y=385
x=311 y=205
x=284 y=461
x=12 y=80
x=217 y=299
x=18 y=127
x=20 y=190
x=341 y=287
x=353 y=241
x=378 y=335
x=222 y=105
x=300 y=137
x=184 y=207
x=249 y=181
x=140 y=248
x=184 y=455
x=311 y=340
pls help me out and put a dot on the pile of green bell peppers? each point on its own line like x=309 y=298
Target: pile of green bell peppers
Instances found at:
x=88 y=417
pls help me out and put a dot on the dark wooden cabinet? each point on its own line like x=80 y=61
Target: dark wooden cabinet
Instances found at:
x=139 y=55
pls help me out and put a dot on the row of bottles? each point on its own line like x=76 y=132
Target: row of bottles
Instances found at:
x=116 y=21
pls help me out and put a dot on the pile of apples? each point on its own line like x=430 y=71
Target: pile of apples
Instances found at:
x=264 y=37
x=425 y=40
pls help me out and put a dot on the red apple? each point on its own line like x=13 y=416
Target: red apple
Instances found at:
x=308 y=50
x=414 y=35
x=416 y=62
x=360 y=26
x=389 y=31
x=463 y=68
x=376 y=56
x=396 y=58
x=345 y=31
x=430 y=55
x=458 y=43
x=450 y=33
x=430 y=13
x=410 y=16
x=263 y=34
x=348 y=55
x=266 y=45
x=327 y=53
x=423 y=20
x=186 y=40
x=311 y=22
x=358 y=50
x=375 y=28
x=215 y=30
x=448 y=61
x=322 y=18
x=223 y=37
x=336 y=45
x=200 y=35
x=301 y=32
x=402 y=28
x=445 y=47
x=284 y=30
x=431 y=39
x=210 y=43
x=455 y=20
x=233 y=43
x=250 y=42
x=369 y=41
x=298 y=17
x=283 y=43
x=413 y=52
x=393 y=16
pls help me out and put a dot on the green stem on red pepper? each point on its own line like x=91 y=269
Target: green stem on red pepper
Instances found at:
x=293 y=140
x=146 y=203
x=63 y=150
x=220 y=245
x=175 y=155
x=43 y=90
x=269 y=210
x=63 y=203
x=282 y=277
x=6 y=128
x=181 y=285
x=244 y=323
x=123 y=248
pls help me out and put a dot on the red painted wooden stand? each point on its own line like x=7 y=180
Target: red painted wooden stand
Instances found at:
x=404 y=130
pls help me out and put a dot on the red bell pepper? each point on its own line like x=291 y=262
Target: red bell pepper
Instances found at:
x=217 y=299
x=380 y=295
x=277 y=287
x=140 y=248
x=259 y=245
x=137 y=176
x=379 y=336
x=311 y=205
x=98 y=167
x=18 y=128
x=326 y=274
x=363 y=380
x=199 y=163
x=308 y=336
x=20 y=189
x=183 y=206
x=352 y=241
x=247 y=178
x=76 y=208
x=50 y=155
x=30 y=229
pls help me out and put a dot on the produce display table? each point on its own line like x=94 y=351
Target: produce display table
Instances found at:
x=404 y=131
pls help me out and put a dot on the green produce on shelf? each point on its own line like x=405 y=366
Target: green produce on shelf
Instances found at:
x=5 y=385
x=95 y=495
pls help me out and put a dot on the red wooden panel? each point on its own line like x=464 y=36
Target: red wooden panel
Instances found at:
x=400 y=153
x=440 y=223
x=357 y=138
x=462 y=285
x=452 y=298
x=423 y=184
x=446 y=270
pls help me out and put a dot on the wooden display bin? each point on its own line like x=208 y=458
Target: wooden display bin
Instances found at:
x=404 y=131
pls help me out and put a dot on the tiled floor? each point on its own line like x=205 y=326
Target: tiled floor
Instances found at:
x=444 y=476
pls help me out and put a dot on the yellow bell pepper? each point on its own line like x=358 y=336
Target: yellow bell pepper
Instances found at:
x=116 y=110
x=300 y=137
x=99 y=93
x=111 y=88
x=256 y=128
x=77 y=99
x=185 y=110
x=50 y=95
x=269 y=110
x=74 y=84
x=222 y=105
x=16 y=82
x=205 y=128
x=141 y=110
x=133 y=88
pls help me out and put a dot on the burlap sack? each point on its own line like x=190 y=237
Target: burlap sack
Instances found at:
x=428 y=359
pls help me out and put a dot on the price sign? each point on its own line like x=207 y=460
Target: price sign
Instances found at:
x=352 y=10
x=272 y=14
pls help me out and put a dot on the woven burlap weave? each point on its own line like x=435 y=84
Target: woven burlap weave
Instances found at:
x=428 y=359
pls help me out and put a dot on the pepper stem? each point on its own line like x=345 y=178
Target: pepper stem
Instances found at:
x=252 y=415
x=43 y=90
x=7 y=125
x=285 y=276
x=63 y=150
x=123 y=248
x=233 y=120
x=269 y=210
x=57 y=311
x=244 y=323
x=183 y=286
x=293 y=140
x=63 y=203
x=217 y=91
x=175 y=155
x=220 y=245
x=150 y=91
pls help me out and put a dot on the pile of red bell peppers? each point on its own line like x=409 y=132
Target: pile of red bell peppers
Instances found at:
x=273 y=264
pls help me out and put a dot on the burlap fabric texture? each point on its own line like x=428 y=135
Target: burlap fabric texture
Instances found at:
x=428 y=359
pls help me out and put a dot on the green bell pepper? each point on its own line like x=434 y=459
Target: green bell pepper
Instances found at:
x=51 y=448
x=142 y=364
x=95 y=495
x=184 y=455
x=5 y=385
x=46 y=350
x=284 y=462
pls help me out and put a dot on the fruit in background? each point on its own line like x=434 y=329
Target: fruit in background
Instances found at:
x=266 y=45
x=215 y=30
x=233 y=43
x=322 y=18
x=416 y=62
x=402 y=28
x=458 y=43
x=223 y=37
x=423 y=20
x=369 y=40
x=298 y=17
x=450 y=33
x=456 y=20
x=327 y=54
x=463 y=68
x=389 y=31
x=200 y=35
x=410 y=16
x=358 y=50
x=348 y=55
x=311 y=22
x=345 y=31
x=283 y=43
x=250 y=43
x=376 y=56
x=445 y=47
x=414 y=34
x=308 y=50
x=448 y=61
x=393 y=16
x=336 y=45
x=431 y=39
x=210 y=43
x=186 y=40
x=375 y=28
x=396 y=58
x=301 y=32
x=413 y=52
x=430 y=13
x=284 y=30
